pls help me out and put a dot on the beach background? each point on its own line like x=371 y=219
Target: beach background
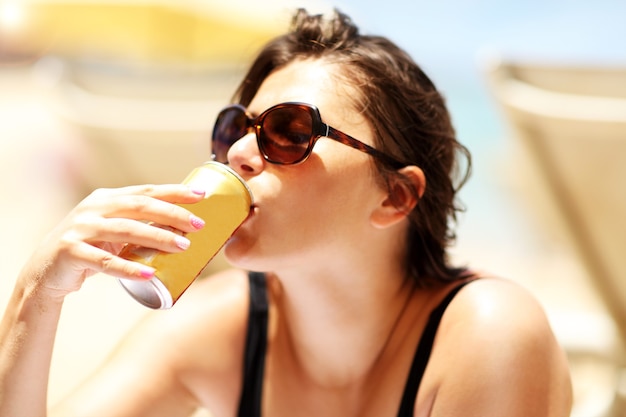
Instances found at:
x=86 y=87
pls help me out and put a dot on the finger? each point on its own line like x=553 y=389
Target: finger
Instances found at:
x=139 y=207
x=99 y=260
x=173 y=193
x=120 y=230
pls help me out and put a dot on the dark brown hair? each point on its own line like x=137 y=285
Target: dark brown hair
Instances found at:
x=408 y=116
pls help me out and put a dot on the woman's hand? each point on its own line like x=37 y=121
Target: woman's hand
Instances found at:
x=89 y=239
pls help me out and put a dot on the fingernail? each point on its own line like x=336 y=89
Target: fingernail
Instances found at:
x=198 y=191
x=182 y=242
x=196 y=222
x=147 y=272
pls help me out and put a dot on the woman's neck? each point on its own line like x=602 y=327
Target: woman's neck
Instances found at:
x=335 y=327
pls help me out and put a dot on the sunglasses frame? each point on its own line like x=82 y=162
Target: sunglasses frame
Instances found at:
x=319 y=129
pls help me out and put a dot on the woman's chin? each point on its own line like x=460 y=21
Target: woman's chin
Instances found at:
x=237 y=253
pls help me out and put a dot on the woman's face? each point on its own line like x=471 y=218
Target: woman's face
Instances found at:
x=305 y=214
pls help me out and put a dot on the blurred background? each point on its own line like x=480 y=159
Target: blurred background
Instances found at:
x=112 y=92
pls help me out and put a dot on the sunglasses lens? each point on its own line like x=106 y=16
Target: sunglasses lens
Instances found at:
x=285 y=134
x=230 y=126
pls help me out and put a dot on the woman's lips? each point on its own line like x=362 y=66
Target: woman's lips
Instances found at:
x=253 y=209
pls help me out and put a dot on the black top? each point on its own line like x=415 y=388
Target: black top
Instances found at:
x=256 y=344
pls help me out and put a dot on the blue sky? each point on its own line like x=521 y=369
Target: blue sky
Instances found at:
x=456 y=29
x=448 y=38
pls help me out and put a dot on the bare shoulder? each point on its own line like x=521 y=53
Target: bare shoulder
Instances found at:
x=214 y=304
x=495 y=354
x=206 y=329
x=175 y=360
x=495 y=304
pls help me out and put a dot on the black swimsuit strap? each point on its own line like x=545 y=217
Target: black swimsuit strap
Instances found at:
x=256 y=344
x=256 y=341
x=422 y=354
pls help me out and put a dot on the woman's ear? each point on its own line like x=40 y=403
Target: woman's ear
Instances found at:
x=405 y=191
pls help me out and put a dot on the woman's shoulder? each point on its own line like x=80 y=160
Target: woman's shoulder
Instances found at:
x=495 y=350
x=177 y=359
x=500 y=316
x=214 y=308
x=494 y=316
x=486 y=299
x=202 y=336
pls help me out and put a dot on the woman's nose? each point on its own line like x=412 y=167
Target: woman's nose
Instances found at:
x=244 y=156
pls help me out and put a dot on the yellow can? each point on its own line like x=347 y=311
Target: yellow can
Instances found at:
x=226 y=205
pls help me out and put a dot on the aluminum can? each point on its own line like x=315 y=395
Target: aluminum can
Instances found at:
x=226 y=205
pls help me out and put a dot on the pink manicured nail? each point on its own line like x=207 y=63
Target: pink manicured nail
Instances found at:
x=198 y=191
x=182 y=242
x=147 y=272
x=197 y=222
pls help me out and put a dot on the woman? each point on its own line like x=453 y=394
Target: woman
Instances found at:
x=357 y=311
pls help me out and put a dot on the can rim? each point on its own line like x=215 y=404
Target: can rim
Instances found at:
x=154 y=286
x=235 y=174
